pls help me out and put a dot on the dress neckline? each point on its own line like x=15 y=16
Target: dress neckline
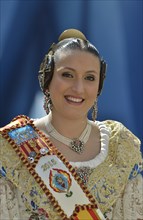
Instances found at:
x=104 y=139
x=104 y=134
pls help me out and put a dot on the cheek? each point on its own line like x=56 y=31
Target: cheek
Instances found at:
x=56 y=87
x=92 y=92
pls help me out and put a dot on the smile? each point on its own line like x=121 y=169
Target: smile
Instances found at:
x=73 y=99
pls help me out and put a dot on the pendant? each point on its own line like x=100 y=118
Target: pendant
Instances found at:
x=77 y=146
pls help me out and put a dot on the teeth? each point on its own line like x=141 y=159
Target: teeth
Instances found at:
x=74 y=99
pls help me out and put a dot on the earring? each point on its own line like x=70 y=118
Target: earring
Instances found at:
x=47 y=103
x=94 y=111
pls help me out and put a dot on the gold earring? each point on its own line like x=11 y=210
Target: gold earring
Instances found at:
x=94 y=111
x=47 y=103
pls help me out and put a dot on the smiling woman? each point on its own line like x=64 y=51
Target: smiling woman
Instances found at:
x=65 y=166
x=74 y=85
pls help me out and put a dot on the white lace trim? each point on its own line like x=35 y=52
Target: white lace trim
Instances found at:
x=104 y=134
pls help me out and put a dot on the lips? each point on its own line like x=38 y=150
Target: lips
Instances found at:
x=74 y=99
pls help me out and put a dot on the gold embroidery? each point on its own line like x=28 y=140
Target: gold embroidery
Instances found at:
x=106 y=182
x=109 y=179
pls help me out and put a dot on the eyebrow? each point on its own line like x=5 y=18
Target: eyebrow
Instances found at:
x=72 y=69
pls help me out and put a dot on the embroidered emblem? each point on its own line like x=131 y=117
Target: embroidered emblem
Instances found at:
x=20 y=135
x=60 y=181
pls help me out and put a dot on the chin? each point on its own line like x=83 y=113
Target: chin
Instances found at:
x=74 y=116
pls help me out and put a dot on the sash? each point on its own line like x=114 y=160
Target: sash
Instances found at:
x=50 y=169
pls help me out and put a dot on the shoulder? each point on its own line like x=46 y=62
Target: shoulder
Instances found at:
x=15 y=122
x=11 y=136
x=126 y=145
x=120 y=131
x=123 y=145
x=11 y=129
x=122 y=137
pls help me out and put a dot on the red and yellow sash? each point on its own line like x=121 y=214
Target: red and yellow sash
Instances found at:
x=52 y=171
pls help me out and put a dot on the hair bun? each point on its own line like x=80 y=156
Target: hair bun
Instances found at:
x=71 y=33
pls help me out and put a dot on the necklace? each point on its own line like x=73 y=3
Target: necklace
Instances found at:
x=76 y=144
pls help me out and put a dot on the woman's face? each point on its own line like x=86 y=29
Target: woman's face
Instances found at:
x=75 y=82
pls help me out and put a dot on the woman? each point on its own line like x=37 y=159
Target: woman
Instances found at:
x=64 y=166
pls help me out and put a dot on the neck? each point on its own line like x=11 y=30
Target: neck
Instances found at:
x=70 y=128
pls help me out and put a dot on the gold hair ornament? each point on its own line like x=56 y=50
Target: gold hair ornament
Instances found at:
x=71 y=33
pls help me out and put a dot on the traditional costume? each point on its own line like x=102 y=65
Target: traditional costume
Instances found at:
x=37 y=181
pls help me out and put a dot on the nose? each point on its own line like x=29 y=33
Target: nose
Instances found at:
x=78 y=86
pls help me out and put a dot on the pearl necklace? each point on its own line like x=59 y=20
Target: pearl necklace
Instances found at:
x=76 y=144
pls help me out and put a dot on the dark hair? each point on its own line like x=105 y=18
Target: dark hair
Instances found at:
x=47 y=66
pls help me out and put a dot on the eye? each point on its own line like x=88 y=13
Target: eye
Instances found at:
x=90 y=77
x=67 y=74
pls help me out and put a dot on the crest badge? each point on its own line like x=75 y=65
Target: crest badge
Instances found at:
x=60 y=181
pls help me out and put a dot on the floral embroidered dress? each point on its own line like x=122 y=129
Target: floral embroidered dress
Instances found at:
x=113 y=177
